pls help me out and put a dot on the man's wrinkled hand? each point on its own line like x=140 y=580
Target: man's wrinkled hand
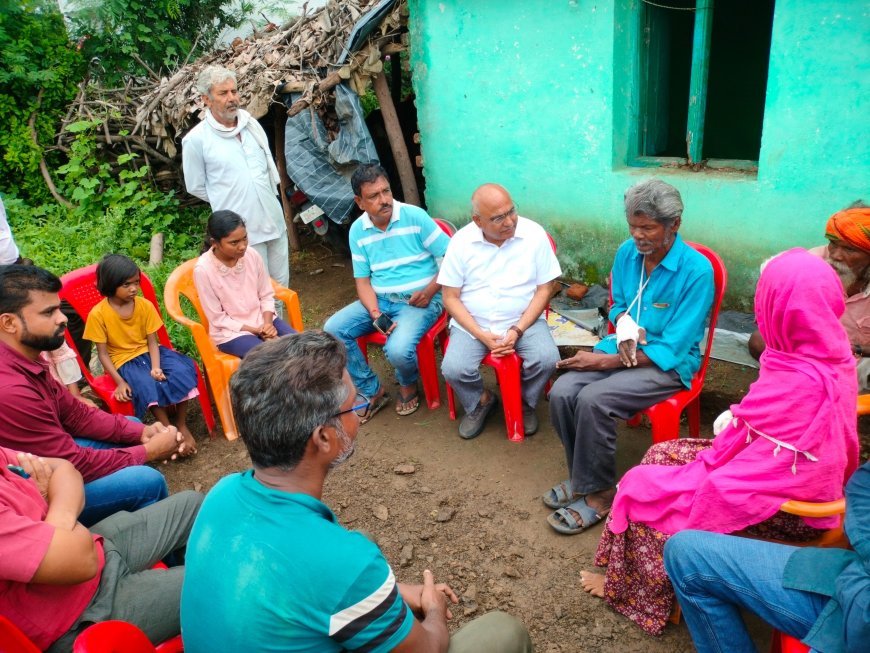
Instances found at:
x=420 y=299
x=507 y=344
x=627 y=349
x=582 y=361
x=39 y=470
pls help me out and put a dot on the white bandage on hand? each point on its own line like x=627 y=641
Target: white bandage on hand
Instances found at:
x=627 y=329
x=722 y=422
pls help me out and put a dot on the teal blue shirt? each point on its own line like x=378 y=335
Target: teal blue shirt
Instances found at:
x=673 y=306
x=403 y=258
x=844 y=624
x=272 y=571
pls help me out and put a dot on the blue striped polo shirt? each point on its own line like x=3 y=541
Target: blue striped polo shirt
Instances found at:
x=267 y=570
x=402 y=259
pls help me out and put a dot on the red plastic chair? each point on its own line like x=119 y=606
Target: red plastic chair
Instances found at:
x=12 y=640
x=782 y=643
x=80 y=290
x=121 y=637
x=665 y=415
x=426 y=362
x=508 y=370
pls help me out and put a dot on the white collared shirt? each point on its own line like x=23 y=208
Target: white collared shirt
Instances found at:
x=497 y=283
x=232 y=174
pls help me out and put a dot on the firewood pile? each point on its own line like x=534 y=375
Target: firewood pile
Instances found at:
x=149 y=116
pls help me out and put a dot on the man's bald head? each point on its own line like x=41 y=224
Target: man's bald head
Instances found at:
x=493 y=210
x=486 y=195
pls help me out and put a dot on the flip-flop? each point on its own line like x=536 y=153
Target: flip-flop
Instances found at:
x=559 y=496
x=562 y=521
x=375 y=405
x=404 y=400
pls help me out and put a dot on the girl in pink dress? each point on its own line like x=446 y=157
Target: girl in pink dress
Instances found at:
x=234 y=289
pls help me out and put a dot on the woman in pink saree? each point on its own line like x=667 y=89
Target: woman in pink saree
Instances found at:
x=792 y=437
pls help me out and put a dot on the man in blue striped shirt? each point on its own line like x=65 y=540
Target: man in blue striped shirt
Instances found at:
x=396 y=250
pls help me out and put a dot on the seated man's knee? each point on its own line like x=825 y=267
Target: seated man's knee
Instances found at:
x=681 y=547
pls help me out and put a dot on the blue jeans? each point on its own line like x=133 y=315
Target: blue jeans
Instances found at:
x=715 y=576
x=127 y=489
x=412 y=323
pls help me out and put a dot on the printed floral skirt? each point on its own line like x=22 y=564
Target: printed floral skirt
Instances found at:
x=635 y=584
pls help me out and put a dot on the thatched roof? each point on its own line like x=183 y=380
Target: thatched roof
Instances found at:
x=306 y=55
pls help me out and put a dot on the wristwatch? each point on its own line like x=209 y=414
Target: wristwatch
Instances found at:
x=518 y=330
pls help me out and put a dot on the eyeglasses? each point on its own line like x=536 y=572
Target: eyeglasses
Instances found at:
x=360 y=407
x=498 y=219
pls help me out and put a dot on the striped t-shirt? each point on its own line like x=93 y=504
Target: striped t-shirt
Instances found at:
x=402 y=259
x=267 y=570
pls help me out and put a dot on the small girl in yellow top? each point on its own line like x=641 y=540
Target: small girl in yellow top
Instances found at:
x=124 y=328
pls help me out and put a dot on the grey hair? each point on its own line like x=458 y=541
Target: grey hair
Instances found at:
x=283 y=390
x=367 y=173
x=655 y=199
x=212 y=75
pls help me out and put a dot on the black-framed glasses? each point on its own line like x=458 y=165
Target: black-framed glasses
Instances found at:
x=498 y=219
x=361 y=405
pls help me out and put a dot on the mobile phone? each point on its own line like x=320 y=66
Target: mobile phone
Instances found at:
x=383 y=323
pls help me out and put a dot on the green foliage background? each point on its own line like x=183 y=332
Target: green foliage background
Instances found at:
x=120 y=35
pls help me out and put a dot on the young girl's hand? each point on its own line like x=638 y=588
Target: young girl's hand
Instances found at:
x=123 y=392
x=268 y=331
x=157 y=374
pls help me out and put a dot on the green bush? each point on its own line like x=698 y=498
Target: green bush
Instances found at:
x=112 y=213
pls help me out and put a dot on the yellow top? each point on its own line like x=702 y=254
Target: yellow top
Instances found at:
x=125 y=338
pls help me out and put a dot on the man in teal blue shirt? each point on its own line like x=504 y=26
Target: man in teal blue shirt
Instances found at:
x=662 y=292
x=820 y=596
x=268 y=566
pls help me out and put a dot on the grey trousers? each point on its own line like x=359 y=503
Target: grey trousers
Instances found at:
x=494 y=632
x=584 y=407
x=461 y=364
x=129 y=589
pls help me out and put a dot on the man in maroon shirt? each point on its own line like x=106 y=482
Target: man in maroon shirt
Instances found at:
x=57 y=577
x=40 y=416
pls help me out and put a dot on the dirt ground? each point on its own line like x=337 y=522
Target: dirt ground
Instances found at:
x=469 y=510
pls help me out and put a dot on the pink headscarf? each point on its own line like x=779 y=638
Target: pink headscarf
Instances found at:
x=792 y=437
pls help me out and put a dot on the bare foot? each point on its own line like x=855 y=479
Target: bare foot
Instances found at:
x=592 y=583
x=188 y=445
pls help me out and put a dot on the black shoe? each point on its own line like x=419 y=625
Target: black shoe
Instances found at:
x=472 y=424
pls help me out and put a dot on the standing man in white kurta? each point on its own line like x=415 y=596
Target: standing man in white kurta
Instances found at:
x=496 y=284
x=227 y=163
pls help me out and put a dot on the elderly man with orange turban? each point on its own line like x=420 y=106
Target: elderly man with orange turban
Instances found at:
x=848 y=252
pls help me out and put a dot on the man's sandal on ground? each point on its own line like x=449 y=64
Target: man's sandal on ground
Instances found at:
x=559 y=496
x=563 y=520
x=402 y=408
x=376 y=403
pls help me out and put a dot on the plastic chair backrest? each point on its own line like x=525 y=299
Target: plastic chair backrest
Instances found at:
x=12 y=640
x=446 y=226
x=121 y=637
x=80 y=290
x=720 y=282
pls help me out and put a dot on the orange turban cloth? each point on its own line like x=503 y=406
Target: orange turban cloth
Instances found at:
x=851 y=226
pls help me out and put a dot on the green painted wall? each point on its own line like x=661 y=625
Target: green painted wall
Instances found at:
x=539 y=95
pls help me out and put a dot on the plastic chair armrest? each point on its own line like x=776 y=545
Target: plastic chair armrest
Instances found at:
x=811 y=509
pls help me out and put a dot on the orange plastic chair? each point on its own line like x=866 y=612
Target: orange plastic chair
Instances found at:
x=80 y=290
x=121 y=637
x=12 y=640
x=864 y=404
x=665 y=415
x=426 y=363
x=508 y=370
x=219 y=367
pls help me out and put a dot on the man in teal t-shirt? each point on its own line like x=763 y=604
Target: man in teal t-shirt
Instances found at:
x=268 y=566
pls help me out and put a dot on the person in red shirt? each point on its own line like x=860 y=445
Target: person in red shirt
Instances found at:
x=57 y=577
x=39 y=415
